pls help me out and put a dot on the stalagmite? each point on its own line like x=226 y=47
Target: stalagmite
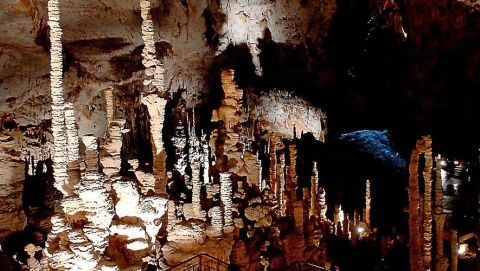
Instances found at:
x=111 y=161
x=368 y=201
x=226 y=198
x=416 y=255
x=73 y=150
x=453 y=250
x=281 y=189
x=313 y=211
x=215 y=214
x=338 y=219
x=292 y=171
x=427 y=204
x=322 y=202
x=259 y=165
x=154 y=83
x=273 y=161
x=60 y=154
x=154 y=68
x=205 y=159
x=195 y=163
x=441 y=262
x=179 y=141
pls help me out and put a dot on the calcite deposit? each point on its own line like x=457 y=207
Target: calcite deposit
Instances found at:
x=149 y=135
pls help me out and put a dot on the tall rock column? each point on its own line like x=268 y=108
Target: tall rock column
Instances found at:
x=154 y=84
x=314 y=191
x=273 y=161
x=454 y=250
x=416 y=252
x=226 y=198
x=291 y=180
x=368 y=201
x=195 y=163
x=322 y=202
x=427 y=204
x=205 y=159
x=441 y=262
x=57 y=94
x=281 y=189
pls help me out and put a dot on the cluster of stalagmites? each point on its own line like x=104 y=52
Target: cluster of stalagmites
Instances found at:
x=426 y=215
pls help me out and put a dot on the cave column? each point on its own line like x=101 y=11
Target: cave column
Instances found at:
x=427 y=201
x=314 y=191
x=368 y=200
x=281 y=188
x=60 y=156
x=226 y=198
x=154 y=87
x=441 y=262
x=273 y=161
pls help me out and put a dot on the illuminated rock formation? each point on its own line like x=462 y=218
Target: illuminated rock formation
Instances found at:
x=368 y=200
x=418 y=254
x=226 y=198
x=282 y=198
x=338 y=220
x=154 y=85
x=453 y=250
x=282 y=113
x=111 y=160
x=154 y=68
x=322 y=203
x=71 y=131
x=427 y=205
x=195 y=164
x=313 y=210
x=60 y=156
x=273 y=162
x=441 y=262
x=205 y=159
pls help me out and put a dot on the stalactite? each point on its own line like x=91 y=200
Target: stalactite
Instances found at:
x=226 y=198
x=427 y=201
x=314 y=191
x=273 y=161
x=416 y=258
x=57 y=94
x=441 y=262
x=368 y=201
